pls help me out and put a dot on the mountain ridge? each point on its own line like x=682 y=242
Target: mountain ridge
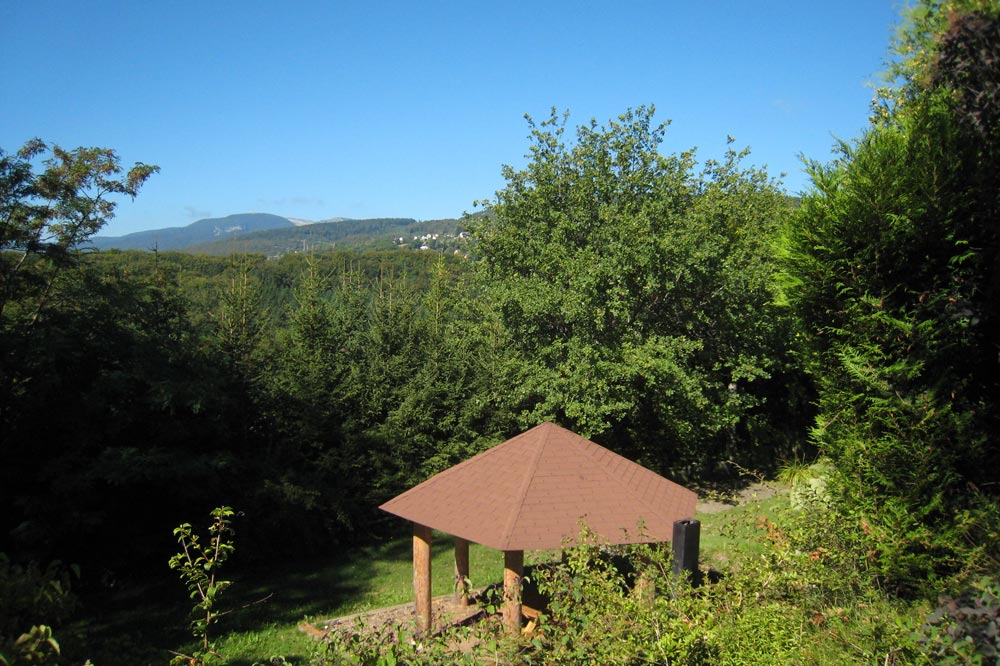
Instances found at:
x=275 y=235
x=201 y=231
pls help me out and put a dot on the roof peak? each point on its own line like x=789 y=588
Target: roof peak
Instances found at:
x=532 y=490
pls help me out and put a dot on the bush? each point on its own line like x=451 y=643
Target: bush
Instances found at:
x=801 y=589
x=35 y=599
x=963 y=629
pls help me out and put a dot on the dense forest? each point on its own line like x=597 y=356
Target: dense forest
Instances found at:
x=689 y=315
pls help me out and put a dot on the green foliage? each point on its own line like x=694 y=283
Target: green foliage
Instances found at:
x=241 y=319
x=637 y=292
x=48 y=214
x=918 y=48
x=36 y=599
x=374 y=385
x=109 y=401
x=963 y=630
x=198 y=564
x=392 y=645
x=599 y=612
x=799 y=590
x=36 y=646
x=205 y=380
x=891 y=263
x=95 y=366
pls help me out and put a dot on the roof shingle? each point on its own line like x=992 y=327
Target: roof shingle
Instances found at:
x=533 y=491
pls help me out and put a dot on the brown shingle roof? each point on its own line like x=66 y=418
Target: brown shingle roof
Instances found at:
x=532 y=491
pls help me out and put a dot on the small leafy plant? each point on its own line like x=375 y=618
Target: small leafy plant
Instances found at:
x=199 y=564
x=37 y=647
x=29 y=593
x=964 y=629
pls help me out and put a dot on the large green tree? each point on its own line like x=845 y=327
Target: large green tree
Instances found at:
x=44 y=216
x=109 y=415
x=636 y=290
x=893 y=267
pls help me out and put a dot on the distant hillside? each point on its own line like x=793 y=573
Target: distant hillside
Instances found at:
x=202 y=231
x=380 y=233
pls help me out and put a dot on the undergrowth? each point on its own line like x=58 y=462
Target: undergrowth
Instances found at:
x=803 y=589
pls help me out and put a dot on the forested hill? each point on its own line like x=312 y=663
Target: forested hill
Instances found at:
x=202 y=231
x=274 y=235
x=379 y=233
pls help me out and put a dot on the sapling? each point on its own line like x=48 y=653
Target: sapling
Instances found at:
x=199 y=564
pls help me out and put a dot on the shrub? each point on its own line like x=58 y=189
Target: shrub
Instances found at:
x=34 y=599
x=963 y=629
x=199 y=565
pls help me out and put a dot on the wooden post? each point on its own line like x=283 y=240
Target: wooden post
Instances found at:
x=687 y=537
x=513 y=569
x=422 y=576
x=461 y=571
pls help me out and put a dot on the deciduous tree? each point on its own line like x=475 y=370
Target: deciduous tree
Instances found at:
x=636 y=288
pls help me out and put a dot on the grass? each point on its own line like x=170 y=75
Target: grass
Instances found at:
x=364 y=579
x=357 y=580
x=726 y=531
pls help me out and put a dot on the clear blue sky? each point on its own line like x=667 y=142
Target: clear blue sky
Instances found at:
x=408 y=109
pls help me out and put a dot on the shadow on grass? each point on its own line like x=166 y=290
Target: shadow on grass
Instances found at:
x=141 y=623
x=725 y=491
x=360 y=578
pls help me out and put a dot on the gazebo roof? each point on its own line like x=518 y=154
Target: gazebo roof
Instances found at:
x=532 y=492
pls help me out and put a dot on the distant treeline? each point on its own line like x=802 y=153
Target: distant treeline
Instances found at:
x=358 y=235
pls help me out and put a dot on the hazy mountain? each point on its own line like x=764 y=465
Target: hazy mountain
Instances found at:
x=378 y=233
x=274 y=235
x=202 y=231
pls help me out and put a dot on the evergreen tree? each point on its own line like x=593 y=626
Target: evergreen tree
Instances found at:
x=893 y=267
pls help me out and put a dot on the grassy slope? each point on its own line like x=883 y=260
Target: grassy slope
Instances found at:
x=381 y=576
x=366 y=578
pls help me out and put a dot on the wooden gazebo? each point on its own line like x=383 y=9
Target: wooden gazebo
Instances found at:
x=531 y=493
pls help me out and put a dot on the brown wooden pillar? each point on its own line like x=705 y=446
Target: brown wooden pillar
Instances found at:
x=422 y=576
x=513 y=570
x=461 y=571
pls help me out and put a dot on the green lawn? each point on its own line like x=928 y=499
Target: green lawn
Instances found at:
x=364 y=579
x=725 y=531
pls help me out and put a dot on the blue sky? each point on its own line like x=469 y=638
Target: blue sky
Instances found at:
x=408 y=109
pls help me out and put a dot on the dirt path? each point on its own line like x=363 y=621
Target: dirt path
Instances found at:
x=444 y=609
x=716 y=500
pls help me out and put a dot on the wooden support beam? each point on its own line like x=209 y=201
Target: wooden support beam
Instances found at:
x=461 y=571
x=422 y=576
x=513 y=570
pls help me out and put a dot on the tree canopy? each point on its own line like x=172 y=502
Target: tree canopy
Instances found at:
x=636 y=288
x=892 y=265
